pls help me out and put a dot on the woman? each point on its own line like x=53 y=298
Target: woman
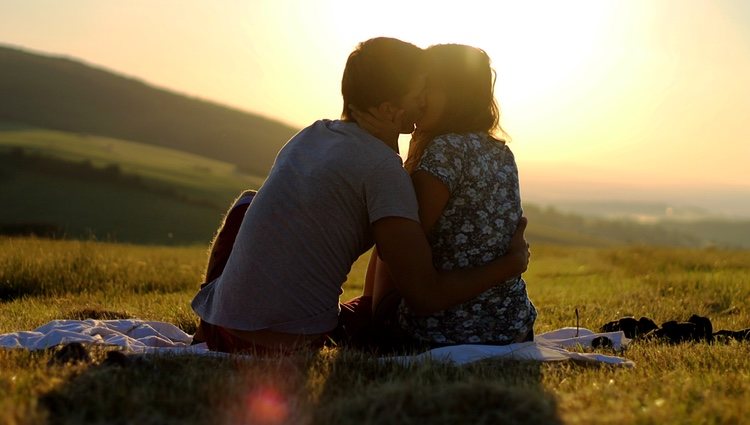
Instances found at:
x=466 y=182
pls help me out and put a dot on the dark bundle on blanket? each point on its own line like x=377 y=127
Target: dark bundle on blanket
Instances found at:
x=75 y=352
x=696 y=328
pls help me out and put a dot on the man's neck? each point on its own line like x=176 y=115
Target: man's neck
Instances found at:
x=393 y=144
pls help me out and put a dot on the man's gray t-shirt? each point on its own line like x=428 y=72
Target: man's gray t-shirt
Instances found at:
x=308 y=223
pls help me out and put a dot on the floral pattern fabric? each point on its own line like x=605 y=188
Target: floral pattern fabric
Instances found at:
x=475 y=228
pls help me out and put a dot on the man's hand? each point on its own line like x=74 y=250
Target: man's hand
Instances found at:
x=382 y=123
x=519 y=247
x=403 y=246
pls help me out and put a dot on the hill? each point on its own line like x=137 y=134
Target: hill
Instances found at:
x=60 y=184
x=551 y=225
x=67 y=95
x=80 y=186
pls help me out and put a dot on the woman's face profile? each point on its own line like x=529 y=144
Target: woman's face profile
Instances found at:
x=435 y=101
x=413 y=104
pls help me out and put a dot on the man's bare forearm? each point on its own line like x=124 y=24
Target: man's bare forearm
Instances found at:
x=458 y=286
x=403 y=246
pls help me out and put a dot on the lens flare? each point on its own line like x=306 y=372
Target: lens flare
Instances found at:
x=266 y=406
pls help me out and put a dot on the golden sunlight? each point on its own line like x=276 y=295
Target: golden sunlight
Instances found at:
x=543 y=56
x=630 y=91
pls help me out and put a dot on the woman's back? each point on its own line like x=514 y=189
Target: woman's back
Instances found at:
x=475 y=227
x=485 y=204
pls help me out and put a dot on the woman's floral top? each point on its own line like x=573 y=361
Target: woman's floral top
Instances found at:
x=476 y=227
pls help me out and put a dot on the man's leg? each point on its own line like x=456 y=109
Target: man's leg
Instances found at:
x=221 y=247
x=258 y=342
x=222 y=244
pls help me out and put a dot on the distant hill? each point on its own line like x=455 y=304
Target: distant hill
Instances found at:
x=68 y=185
x=551 y=225
x=61 y=184
x=80 y=186
x=64 y=94
x=644 y=212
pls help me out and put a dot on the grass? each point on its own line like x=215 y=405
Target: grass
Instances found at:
x=168 y=184
x=686 y=383
x=193 y=174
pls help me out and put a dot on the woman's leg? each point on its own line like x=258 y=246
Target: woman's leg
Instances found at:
x=384 y=333
x=355 y=323
x=379 y=279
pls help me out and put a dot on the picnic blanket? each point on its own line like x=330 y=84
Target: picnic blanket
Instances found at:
x=150 y=337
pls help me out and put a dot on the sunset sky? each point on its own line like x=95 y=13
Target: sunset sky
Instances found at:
x=639 y=96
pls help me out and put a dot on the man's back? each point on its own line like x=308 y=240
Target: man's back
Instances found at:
x=308 y=223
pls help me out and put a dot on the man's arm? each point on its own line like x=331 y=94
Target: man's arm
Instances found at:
x=403 y=246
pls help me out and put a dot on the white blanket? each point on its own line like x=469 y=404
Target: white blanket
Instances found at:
x=139 y=336
x=547 y=347
x=136 y=336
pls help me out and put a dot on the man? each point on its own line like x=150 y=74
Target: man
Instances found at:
x=335 y=189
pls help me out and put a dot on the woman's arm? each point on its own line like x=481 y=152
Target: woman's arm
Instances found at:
x=432 y=197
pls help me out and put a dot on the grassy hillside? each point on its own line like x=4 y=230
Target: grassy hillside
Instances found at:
x=63 y=94
x=671 y=384
x=82 y=186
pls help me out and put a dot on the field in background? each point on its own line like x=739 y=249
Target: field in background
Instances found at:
x=83 y=186
x=196 y=176
x=68 y=95
x=687 y=383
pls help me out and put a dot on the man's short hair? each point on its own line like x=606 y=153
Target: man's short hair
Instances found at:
x=380 y=69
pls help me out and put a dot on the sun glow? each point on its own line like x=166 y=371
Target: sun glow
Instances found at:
x=542 y=55
x=624 y=91
x=619 y=87
x=538 y=53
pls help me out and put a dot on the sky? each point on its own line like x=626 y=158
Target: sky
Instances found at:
x=603 y=99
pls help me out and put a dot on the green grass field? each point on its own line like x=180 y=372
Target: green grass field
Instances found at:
x=179 y=198
x=85 y=186
x=671 y=384
x=195 y=175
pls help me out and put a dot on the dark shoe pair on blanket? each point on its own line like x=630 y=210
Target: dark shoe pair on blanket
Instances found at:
x=696 y=328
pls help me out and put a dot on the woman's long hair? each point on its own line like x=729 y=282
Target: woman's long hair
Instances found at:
x=465 y=75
